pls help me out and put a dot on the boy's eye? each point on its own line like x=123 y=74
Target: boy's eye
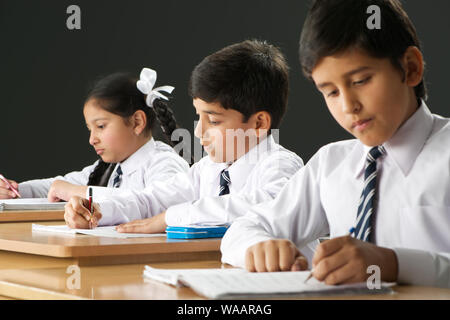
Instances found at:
x=101 y=126
x=362 y=81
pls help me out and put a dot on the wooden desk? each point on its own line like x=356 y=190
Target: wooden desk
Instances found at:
x=17 y=260
x=127 y=282
x=89 y=250
x=31 y=215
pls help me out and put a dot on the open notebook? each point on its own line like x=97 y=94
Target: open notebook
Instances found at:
x=238 y=283
x=30 y=204
x=109 y=231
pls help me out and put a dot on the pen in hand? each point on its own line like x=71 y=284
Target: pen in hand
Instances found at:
x=91 y=207
x=10 y=186
x=352 y=230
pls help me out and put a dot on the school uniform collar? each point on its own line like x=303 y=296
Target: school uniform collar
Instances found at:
x=135 y=160
x=406 y=144
x=239 y=169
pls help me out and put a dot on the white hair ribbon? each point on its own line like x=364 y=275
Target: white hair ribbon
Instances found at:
x=145 y=85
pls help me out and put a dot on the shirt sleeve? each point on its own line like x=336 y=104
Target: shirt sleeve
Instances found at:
x=154 y=199
x=164 y=167
x=295 y=214
x=272 y=175
x=39 y=188
x=423 y=268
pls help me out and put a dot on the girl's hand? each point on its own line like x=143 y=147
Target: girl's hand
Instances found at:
x=62 y=191
x=5 y=192
x=78 y=216
x=156 y=224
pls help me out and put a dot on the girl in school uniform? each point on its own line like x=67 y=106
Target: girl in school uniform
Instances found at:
x=120 y=114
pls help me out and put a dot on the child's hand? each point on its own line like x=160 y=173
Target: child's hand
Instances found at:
x=345 y=260
x=5 y=192
x=274 y=255
x=77 y=215
x=56 y=191
x=63 y=190
x=156 y=224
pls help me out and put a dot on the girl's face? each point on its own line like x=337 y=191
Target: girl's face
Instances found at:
x=110 y=136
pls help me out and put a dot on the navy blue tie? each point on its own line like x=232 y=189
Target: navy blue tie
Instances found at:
x=224 y=182
x=118 y=177
x=366 y=205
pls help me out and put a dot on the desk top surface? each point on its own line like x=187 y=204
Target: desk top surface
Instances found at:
x=127 y=282
x=19 y=237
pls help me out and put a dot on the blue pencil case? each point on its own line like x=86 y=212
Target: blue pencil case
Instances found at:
x=195 y=232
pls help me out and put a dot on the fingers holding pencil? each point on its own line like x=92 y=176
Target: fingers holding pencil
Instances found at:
x=8 y=188
x=78 y=216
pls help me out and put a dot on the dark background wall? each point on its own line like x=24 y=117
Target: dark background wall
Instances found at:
x=46 y=68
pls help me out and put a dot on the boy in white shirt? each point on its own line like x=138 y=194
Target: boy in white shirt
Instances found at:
x=391 y=184
x=240 y=94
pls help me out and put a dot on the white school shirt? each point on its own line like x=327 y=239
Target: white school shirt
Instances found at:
x=193 y=197
x=413 y=208
x=154 y=161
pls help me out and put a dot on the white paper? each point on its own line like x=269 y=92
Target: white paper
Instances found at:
x=174 y=276
x=238 y=283
x=30 y=204
x=108 y=231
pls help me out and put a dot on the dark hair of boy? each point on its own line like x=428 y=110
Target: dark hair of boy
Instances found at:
x=249 y=77
x=333 y=26
x=117 y=93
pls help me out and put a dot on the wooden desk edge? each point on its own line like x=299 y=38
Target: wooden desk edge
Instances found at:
x=123 y=249
x=18 y=291
x=31 y=215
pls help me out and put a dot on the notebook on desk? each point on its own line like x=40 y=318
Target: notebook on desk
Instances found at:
x=240 y=284
x=108 y=231
x=25 y=204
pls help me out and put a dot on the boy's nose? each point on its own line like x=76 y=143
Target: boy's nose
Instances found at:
x=349 y=103
x=198 y=132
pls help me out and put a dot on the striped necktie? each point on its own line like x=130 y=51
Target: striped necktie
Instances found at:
x=118 y=177
x=224 y=182
x=367 y=201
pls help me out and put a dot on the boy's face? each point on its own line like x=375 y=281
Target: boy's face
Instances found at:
x=222 y=132
x=367 y=96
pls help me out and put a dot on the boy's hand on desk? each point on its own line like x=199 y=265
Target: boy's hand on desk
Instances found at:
x=156 y=224
x=345 y=260
x=5 y=192
x=77 y=215
x=274 y=255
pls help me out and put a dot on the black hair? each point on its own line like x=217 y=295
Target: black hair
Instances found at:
x=248 y=77
x=117 y=93
x=333 y=26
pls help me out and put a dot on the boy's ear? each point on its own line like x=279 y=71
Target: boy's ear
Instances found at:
x=263 y=122
x=139 y=121
x=413 y=65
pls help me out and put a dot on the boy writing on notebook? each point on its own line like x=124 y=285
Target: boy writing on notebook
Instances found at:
x=240 y=94
x=391 y=184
